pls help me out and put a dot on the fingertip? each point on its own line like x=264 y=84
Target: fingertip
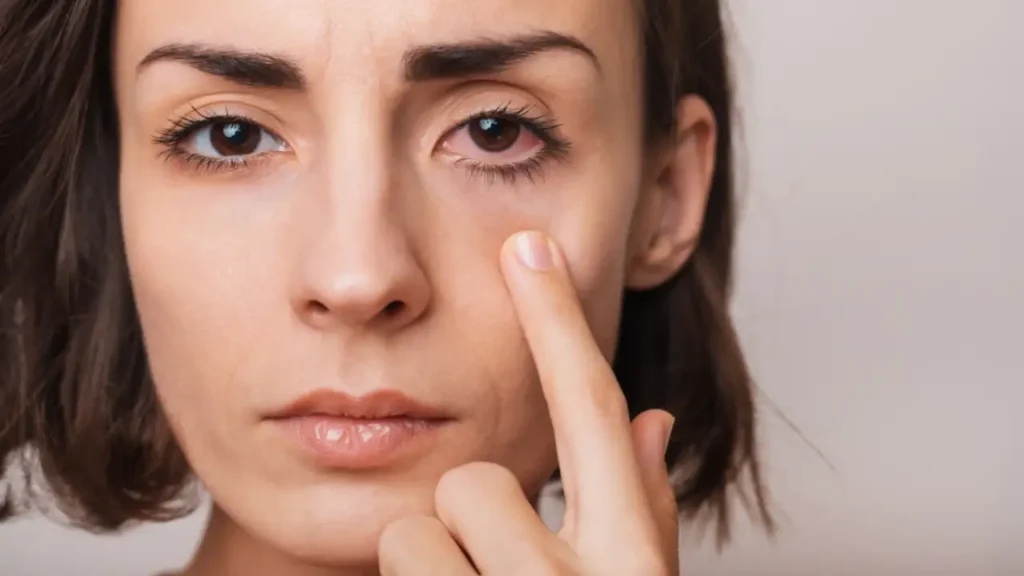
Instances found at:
x=668 y=423
x=653 y=429
x=532 y=250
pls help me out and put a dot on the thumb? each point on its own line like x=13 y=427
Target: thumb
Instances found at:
x=651 y=432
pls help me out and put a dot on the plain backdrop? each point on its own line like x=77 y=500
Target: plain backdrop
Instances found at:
x=880 y=299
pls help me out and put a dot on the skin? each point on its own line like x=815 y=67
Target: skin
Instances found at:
x=257 y=285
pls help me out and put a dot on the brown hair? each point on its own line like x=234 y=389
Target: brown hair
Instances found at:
x=75 y=388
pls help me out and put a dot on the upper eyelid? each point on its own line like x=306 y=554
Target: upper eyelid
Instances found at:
x=253 y=111
x=544 y=126
x=187 y=125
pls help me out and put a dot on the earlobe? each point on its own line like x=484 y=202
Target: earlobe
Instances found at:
x=670 y=222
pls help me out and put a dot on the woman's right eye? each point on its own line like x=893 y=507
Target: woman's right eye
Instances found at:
x=232 y=139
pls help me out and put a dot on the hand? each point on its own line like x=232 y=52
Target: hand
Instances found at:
x=621 y=515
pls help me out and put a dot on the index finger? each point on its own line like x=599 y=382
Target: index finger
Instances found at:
x=603 y=485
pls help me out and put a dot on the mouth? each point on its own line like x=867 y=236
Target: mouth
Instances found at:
x=337 y=430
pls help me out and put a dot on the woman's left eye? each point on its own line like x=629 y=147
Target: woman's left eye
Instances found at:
x=232 y=139
x=494 y=140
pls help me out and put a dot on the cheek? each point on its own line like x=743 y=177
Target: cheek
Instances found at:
x=593 y=230
x=597 y=270
x=200 y=302
x=476 y=326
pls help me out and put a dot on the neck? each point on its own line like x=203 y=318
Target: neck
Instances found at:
x=226 y=548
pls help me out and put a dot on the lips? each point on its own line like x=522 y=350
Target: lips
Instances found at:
x=382 y=404
x=337 y=430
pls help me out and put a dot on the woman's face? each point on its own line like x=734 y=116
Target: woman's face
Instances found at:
x=314 y=194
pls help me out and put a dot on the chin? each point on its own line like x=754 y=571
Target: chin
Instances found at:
x=330 y=525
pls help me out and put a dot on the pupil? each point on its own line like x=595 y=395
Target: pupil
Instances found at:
x=491 y=126
x=235 y=138
x=494 y=134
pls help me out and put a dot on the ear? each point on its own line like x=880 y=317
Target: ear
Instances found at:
x=670 y=218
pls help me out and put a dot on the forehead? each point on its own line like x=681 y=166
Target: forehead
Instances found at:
x=366 y=37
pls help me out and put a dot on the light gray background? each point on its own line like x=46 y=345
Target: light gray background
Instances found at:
x=879 y=298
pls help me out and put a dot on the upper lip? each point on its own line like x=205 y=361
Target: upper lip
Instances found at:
x=379 y=404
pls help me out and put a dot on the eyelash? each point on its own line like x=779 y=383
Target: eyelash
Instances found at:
x=173 y=138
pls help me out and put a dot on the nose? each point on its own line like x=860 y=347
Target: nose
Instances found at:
x=358 y=266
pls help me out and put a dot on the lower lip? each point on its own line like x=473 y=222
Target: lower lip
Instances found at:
x=339 y=442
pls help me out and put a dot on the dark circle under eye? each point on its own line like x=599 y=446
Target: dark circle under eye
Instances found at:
x=494 y=134
x=234 y=138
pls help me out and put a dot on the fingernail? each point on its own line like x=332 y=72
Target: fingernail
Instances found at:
x=534 y=252
x=668 y=431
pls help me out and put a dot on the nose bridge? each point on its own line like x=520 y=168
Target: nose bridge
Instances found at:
x=356 y=143
x=356 y=152
x=357 y=262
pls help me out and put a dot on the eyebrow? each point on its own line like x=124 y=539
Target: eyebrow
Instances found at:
x=243 y=67
x=432 y=62
x=483 y=57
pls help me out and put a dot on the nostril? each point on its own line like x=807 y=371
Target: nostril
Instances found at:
x=321 y=310
x=318 y=308
x=394 y=308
